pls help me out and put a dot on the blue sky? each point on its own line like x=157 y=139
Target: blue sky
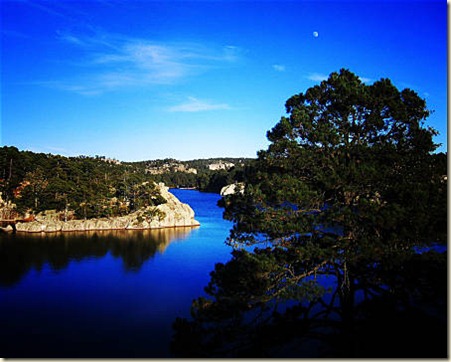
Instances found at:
x=138 y=80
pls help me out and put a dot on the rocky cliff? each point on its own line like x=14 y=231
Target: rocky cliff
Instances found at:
x=173 y=213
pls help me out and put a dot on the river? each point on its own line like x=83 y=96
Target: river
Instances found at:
x=110 y=294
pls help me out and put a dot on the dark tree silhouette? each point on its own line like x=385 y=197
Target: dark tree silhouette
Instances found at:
x=327 y=235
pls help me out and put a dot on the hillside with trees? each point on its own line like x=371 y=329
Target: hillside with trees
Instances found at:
x=87 y=186
x=208 y=175
x=338 y=238
x=93 y=187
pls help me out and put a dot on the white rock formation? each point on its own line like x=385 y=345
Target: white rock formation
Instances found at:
x=232 y=189
x=171 y=214
x=221 y=165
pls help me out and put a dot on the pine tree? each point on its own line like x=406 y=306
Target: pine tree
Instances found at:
x=346 y=190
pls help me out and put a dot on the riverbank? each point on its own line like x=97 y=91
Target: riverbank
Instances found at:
x=171 y=214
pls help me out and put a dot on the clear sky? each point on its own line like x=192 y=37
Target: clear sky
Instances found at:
x=138 y=80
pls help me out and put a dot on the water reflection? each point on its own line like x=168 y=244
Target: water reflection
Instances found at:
x=20 y=253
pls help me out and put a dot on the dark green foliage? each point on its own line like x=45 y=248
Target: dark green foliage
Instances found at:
x=88 y=186
x=98 y=187
x=218 y=179
x=347 y=189
x=352 y=155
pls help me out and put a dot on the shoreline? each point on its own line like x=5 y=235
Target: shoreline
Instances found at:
x=11 y=230
x=80 y=226
x=171 y=214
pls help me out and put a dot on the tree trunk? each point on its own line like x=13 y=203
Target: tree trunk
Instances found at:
x=346 y=293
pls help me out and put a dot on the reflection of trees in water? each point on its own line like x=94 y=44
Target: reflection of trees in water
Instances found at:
x=20 y=253
x=144 y=245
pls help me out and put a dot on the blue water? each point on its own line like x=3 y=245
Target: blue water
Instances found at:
x=106 y=294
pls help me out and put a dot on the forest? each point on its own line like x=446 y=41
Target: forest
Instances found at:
x=340 y=238
x=92 y=187
x=204 y=179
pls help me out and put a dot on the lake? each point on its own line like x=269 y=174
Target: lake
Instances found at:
x=106 y=294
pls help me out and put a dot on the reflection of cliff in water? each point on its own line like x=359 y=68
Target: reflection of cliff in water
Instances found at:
x=19 y=253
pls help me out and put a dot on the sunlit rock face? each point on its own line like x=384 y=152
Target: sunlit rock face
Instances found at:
x=232 y=189
x=173 y=213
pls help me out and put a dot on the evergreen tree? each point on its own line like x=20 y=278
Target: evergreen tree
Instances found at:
x=346 y=190
x=87 y=187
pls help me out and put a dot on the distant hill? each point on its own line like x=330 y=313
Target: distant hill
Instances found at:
x=197 y=164
x=209 y=174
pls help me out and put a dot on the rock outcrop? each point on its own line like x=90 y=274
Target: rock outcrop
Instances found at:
x=221 y=165
x=232 y=189
x=173 y=213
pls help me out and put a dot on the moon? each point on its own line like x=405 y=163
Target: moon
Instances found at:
x=315 y=34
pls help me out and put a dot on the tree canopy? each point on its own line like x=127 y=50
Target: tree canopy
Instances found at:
x=347 y=191
x=87 y=186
